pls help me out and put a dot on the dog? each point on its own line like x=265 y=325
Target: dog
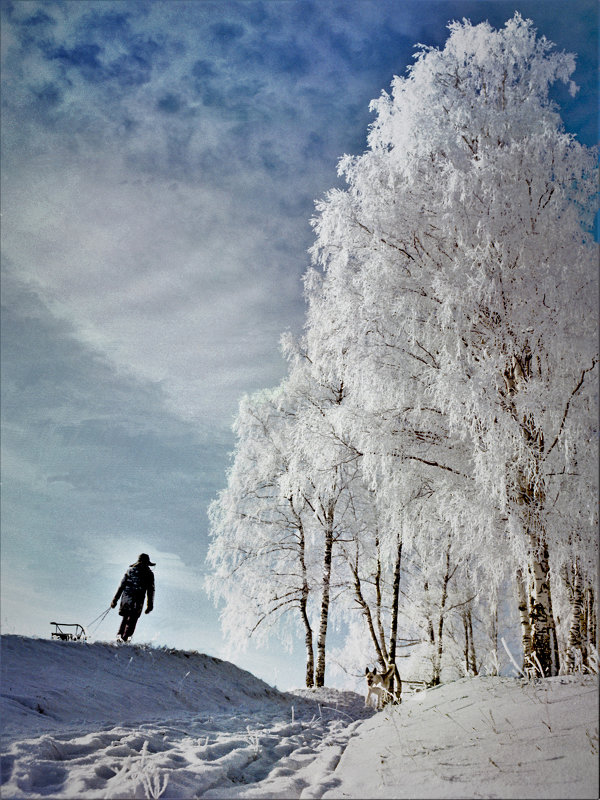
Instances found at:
x=378 y=692
x=379 y=683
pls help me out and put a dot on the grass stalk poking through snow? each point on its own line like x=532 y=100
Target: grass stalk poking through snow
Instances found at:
x=254 y=741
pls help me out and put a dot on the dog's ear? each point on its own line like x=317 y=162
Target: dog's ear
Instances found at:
x=367 y=671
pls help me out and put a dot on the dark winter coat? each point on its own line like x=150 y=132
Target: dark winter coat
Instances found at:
x=137 y=582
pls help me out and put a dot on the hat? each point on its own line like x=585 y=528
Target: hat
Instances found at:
x=144 y=558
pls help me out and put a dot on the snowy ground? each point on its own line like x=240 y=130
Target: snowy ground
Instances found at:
x=108 y=721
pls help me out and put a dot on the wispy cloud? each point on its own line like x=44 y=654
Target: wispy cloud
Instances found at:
x=161 y=163
x=154 y=211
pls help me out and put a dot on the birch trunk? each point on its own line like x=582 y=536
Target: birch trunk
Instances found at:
x=437 y=660
x=378 y=601
x=308 y=634
x=469 y=649
x=472 y=649
x=395 y=606
x=308 y=640
x=358 y=594
x=526 y=634
x=543 y=630
x=554 y=649
x=530 y=495
x=466 y=647
x=320 y=671
x=575 y=644
x=591 y=627
x=492 y=669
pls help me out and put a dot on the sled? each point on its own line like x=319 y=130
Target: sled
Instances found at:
x=415 y=686
x=76 y=635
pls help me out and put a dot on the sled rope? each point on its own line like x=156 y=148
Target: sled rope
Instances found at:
x=100 y=619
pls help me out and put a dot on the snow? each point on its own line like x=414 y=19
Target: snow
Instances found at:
x=103 y=720
x=480 y=737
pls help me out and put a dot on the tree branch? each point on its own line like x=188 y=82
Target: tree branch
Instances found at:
x=564 y=419
x=389 y=244
x=436 y=464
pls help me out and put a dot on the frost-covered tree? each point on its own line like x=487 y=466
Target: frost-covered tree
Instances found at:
x=259 y=557
x=438 y=428
x=457 y=306
x=323 y=470
x=287 y=505
x=371 y=575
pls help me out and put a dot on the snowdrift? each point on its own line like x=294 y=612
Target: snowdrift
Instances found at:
x=48 y=683
x=479 y=737
x=107 y=721
x=128 y=721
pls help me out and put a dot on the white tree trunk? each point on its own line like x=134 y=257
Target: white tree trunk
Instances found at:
x=320 y=671
x=308 y=634
x=543 y=630
x=524 y=616
x=576 y=654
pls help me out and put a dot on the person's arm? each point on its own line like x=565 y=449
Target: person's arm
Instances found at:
x=150 y=591
x=119 y=592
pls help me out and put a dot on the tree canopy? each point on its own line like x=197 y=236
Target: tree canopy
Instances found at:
x=449 y=361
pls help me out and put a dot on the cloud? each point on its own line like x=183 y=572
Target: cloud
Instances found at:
x=72 y=422
x=161 y=162
x=144 y=217
x=157 y=276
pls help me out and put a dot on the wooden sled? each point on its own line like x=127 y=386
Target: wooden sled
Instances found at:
x=78 y=633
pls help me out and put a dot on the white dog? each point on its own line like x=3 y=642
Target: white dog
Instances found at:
x=379 y=693
x=379 y=683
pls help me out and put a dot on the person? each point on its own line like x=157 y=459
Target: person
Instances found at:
x=137 y=583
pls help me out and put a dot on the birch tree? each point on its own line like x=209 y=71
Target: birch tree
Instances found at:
x=448 y=370
x=455 y=291
x=259 y=554
x=323 y=470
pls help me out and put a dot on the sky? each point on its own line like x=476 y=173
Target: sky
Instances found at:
x=160 y=165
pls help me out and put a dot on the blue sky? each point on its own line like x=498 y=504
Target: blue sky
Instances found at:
x=159 y=170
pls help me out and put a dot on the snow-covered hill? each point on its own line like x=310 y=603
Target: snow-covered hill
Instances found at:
x=107 y=721
x=46 y=683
